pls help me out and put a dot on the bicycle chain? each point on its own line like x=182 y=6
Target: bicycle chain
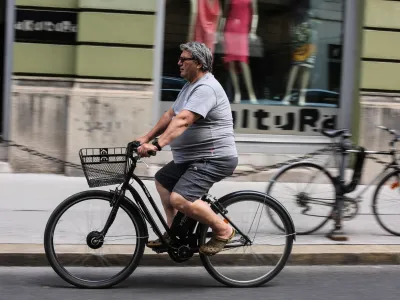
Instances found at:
x=255 y=170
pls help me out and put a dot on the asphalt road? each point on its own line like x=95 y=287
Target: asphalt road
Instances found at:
x=366 y=282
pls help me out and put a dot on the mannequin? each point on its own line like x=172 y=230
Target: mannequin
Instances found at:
x=235 y=24
x=304 y=52
x=204 y=18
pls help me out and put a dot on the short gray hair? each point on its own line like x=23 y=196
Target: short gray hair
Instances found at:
x=201 y=53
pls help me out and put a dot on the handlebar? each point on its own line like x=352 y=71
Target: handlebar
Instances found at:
x=391 y=131
x=133 y=146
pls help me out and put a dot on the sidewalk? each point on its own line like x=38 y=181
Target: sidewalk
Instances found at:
x=27 y=201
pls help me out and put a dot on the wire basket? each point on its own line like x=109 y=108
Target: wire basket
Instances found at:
x=104 y=166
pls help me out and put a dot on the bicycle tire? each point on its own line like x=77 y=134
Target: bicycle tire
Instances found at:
x=133 y=214
x=382 y=183
x=269 y=201
x=295 y=166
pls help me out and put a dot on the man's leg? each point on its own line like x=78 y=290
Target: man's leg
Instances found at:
x=197 y=181
x=170 y=211
x=202 y=212
x=165 y=180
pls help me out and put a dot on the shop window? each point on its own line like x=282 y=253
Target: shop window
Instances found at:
x=278 y=61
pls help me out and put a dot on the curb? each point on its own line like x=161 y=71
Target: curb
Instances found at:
x=302 y=255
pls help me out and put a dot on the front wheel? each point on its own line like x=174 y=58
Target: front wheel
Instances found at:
x=386 y=203
x=75 y=249
x=240 y=265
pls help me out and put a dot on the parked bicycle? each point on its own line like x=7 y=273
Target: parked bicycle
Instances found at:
x=330 y=200
x=116 y=239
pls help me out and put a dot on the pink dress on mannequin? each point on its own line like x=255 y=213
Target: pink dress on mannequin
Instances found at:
x=207 y=22
x=236 y=32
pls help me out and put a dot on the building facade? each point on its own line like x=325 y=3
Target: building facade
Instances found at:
x=378 y=72
x=98 y=73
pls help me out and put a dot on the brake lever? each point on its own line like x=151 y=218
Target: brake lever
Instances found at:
x=391 y=131
x=382 y=127
x=141 y=160
x=132 y=146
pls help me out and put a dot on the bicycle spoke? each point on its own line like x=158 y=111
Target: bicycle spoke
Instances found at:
x=268 y=248
x=311 y=197
x=77 y=225
x=386 y=203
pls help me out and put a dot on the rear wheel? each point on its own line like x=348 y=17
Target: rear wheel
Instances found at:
x=239 y=265
x=308 y=193
x=77 y=252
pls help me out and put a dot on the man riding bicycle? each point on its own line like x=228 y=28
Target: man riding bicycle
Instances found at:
x=199 y=129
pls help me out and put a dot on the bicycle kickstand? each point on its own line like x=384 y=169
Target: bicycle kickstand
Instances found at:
x=337 y=234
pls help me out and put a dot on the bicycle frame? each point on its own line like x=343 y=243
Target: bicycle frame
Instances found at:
x=392 y=165
x=342 y=188
x=145 y=211
x=339 y=180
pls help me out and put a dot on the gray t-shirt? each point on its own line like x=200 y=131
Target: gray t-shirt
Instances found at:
x=212 y=135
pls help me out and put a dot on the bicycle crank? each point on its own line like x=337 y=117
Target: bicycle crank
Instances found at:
x=182 y=254
x=350 y=208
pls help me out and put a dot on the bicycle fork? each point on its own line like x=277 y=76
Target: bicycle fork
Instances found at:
x=118 y=195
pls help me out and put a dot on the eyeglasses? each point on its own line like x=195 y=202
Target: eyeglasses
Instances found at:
x=183 y=59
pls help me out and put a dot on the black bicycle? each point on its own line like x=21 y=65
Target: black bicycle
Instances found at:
x=315 y=196
x=112 y=241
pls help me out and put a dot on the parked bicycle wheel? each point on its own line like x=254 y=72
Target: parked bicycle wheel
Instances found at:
x=75 y=250
x=241 y=265
x=386 y=203
x=308 y=192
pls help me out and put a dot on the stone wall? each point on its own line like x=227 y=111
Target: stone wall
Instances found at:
x=378 y=109
x=39 y=121
x=60 y=117
x=106 y=116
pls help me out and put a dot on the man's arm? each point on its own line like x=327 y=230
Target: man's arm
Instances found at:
x=178 y=126
x=201 y=101
x=161 y=125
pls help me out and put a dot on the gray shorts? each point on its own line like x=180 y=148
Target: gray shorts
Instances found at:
x=192 y=180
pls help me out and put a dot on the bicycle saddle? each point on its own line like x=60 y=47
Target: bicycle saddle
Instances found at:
x=333 y=133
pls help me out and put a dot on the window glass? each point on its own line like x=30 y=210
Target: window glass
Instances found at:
x=278 y=61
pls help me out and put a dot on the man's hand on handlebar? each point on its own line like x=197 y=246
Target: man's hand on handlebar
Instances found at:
x=147 y=150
